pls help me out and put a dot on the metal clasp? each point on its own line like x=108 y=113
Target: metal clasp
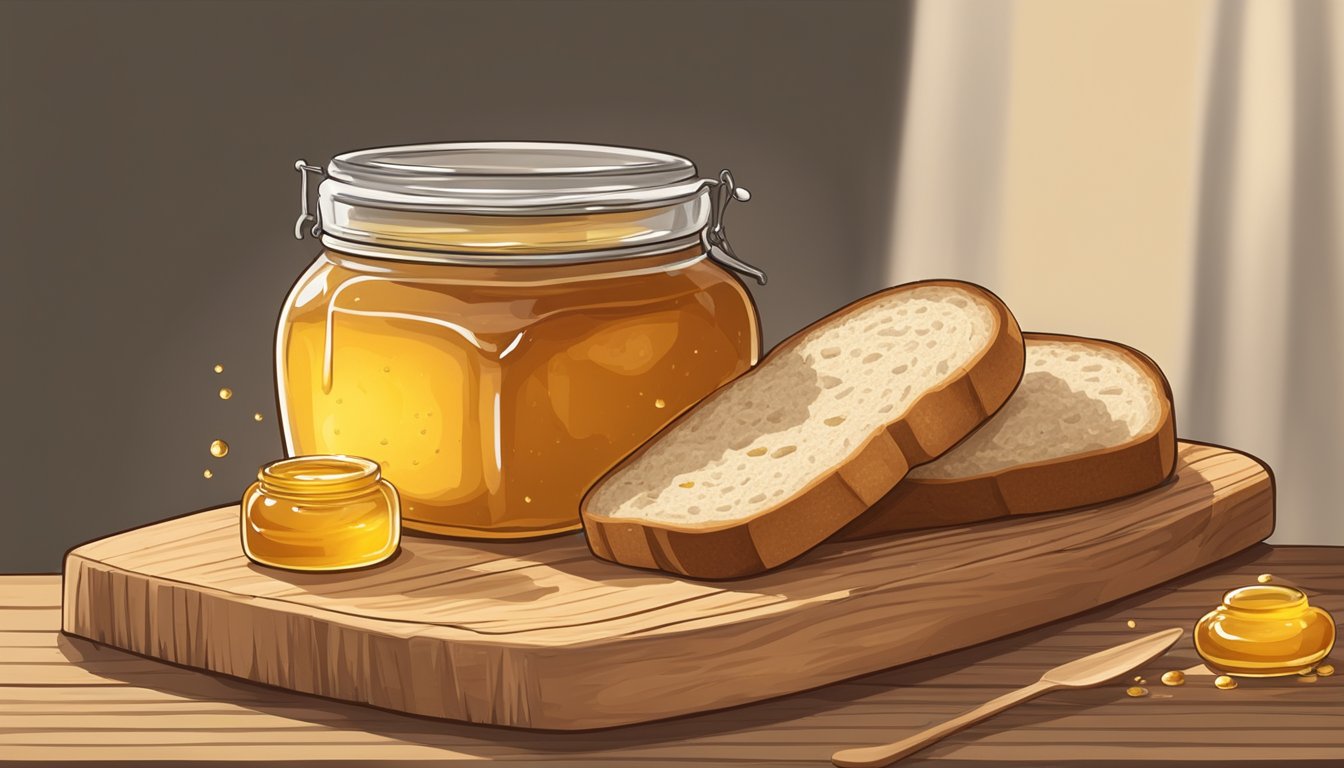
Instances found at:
x=305 y=215
x=715 y=237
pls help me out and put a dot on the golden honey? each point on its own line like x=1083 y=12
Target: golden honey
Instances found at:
x=1264 y=630
x=1224 y=683
x=494 y=397
x=497 y=324
x=320 y=513
x=219 y=449
x=1173 y=678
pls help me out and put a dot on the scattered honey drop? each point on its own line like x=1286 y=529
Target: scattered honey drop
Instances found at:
x=1325 y=670
x=757 y=451
x=219 y=449
x=415 y=462
x=527 y=499
x=1225 y=683
x=256 y=417
x=688 y=484
x=383 y=441
x=387 y=369
x=219 y=368
x=424 y=431
x=659 y=403
x=1136 y=691
x=1173 y=678
x=225 y=393
x=1307 y=678
x=1131 y=624
x=1265 y=578
x=1139 y=679
x=207 y=474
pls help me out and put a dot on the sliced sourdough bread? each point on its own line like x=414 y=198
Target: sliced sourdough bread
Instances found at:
x=1091 y=422
x=777 y=460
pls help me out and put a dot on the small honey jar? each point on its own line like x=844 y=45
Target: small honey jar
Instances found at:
x=1264 y=630
x=320 y=513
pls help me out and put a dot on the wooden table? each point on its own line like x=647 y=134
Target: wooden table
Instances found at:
x=69 y=701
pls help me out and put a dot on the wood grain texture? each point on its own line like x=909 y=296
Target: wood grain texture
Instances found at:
x=541 y=634
x=65 y=700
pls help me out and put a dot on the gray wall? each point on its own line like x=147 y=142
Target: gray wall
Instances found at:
x=148 y=197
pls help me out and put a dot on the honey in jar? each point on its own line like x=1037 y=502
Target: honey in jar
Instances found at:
x=1264 y=630
x=498 y=324
x=320 y=513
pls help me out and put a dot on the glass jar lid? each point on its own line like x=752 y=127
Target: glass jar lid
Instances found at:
x=514 y=202
x=516 y=178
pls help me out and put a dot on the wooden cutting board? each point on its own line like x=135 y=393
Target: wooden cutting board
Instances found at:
x=542 y=635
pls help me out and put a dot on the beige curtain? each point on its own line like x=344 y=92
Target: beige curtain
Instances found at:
x=1166 y=174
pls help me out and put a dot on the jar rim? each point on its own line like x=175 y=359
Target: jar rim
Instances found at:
x=319 y=474
x=1264 y=598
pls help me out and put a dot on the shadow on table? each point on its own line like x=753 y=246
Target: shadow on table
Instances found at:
x=769 y=723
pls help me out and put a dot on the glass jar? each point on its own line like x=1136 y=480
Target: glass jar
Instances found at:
x=498 y=324
x=1264 y=631
x=320 y=513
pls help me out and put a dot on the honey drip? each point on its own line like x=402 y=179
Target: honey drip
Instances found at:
x=219 y=449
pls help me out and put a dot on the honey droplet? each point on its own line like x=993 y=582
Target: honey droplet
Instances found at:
x=207 y=474
x=1174 y=677
x=1136 y=691
x=1224 y=683
x=659 y=403
x=383 y=441
x=1131 y=624
x=527 y=499
x=1307 y=678
x=1265 y=578
x=757 y=451
x=225 y=393
x=1325 y=670
x=219 y=368
x=688 y=484
x=387 y=369
x=1139 y=679
x=219 y=449
x=256 y=417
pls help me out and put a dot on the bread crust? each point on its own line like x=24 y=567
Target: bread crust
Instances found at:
x=1044 y=486
x=937 y=420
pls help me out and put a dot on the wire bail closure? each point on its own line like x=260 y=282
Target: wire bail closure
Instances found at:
x=715 y=237
x=305 y=215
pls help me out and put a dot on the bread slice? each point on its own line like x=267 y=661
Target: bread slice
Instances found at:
x=1090 y=422
x=775 y=461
